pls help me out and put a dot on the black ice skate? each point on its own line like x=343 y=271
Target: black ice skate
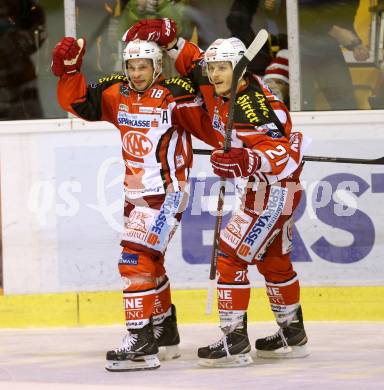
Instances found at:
x=167 y=337
x=232 y=350
x=137 y=352
x=287 y=342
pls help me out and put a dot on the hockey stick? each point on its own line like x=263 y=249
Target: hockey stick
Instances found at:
x=345 y=160
x=249 y=54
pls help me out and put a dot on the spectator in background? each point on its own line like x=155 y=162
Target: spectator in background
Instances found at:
x=136 y=10
x=276 y=76
x=22 y=32
x=325 y=27
x=376 y=101
x=120 y=15
x=239 y=22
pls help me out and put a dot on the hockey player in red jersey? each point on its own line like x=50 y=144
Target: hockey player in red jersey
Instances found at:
x=156 y=118
x=266 y=161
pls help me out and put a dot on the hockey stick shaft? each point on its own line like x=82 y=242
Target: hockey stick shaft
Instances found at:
x=249 y=54
x=345 y=160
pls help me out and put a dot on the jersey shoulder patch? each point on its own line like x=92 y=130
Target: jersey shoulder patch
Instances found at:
x=252 y=106
x=108 y=80
x=179 y=86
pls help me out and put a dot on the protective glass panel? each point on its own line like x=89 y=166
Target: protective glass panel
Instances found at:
x=103 y=23
x=341 y=52
x=28 y=31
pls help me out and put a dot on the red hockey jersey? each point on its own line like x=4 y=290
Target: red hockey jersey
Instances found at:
x=155 y=126
x=261 y=121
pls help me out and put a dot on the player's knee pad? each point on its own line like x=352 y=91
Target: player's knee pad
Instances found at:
x=162 y=305
x=231 y=270
x=160 y=272
x=276 y=268
x=138 y=270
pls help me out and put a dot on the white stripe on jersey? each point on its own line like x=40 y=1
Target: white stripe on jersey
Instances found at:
x=184 y=140
x=191 y=104
x=288 y=283
x=245 y=133
x=282 y=115
x=171 y=159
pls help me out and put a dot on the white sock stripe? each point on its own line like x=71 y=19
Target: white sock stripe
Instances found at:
x=138 y=293
x=236 y=286
x=289 y=282
x=163 y=287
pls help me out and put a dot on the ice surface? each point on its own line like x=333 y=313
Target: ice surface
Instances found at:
x=344 y=355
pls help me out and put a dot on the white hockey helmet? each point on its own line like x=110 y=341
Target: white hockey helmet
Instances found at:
x=231 y=49
x=143 y=49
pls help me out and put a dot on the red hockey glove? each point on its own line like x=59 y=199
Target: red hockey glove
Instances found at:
x=161 y=31
x=238 y=162
x=67 y=56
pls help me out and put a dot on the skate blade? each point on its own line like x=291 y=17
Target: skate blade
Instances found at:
x=169 y=352
x=284 y=353
x=150 y=362
x=241 y=360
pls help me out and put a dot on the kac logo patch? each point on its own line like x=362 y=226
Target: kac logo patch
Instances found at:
x=137 y=144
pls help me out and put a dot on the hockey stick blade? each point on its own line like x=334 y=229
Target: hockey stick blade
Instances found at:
x=256 y=45
x=325 y=159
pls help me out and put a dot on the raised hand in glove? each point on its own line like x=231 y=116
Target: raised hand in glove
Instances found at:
x=237 y=162
x=67 y=56
x=161 y=31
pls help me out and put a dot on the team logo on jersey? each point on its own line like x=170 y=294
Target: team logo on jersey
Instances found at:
x=137 y=144
x=124 y=90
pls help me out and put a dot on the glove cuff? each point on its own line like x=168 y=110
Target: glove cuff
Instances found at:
x=254 y=161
